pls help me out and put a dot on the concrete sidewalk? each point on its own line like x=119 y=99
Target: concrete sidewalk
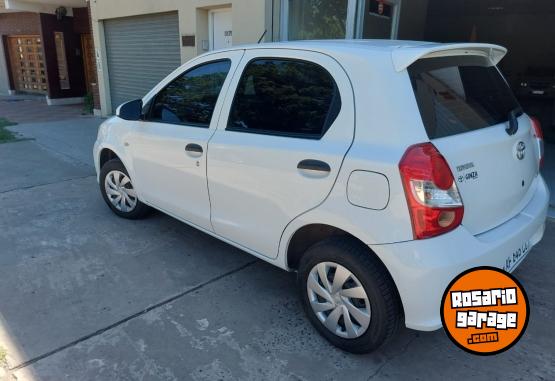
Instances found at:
x=71 y=139
x=33 y=109
x=85 y=295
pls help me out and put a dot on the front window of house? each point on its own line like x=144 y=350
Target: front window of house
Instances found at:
x=339 y=19
x=316 y=19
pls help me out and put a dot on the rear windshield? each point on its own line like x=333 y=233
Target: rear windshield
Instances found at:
x=460 y=94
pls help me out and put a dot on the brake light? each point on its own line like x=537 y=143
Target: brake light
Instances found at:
x=432 y=195
x=538 y=135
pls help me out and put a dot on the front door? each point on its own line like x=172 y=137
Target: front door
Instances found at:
x=279 y=145
x=27 y=64
x=169 y=147
x=87 y=47
x=221 y=31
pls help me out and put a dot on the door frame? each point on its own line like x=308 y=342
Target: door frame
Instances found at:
x=87 y=49
x=211 y=24
x=8 y=63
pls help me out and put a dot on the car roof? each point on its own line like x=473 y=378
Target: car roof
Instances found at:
x=401 y=52
x=335 y=45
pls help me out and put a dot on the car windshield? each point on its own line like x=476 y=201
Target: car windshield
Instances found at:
x=460 y=94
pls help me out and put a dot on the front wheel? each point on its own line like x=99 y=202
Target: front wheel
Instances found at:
x=118 y=191
x=348 y=295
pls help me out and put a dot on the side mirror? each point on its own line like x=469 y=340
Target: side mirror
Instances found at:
x=132 y=110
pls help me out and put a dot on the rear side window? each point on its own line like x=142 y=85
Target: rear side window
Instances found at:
x=285 y=97
x=460 y=94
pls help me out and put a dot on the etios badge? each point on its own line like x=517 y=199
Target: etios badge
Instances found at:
x=520 y=150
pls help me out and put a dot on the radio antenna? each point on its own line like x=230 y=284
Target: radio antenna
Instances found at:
x=262 y=37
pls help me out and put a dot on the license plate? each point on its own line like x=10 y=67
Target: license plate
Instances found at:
x=538 y=92
x=516 y=256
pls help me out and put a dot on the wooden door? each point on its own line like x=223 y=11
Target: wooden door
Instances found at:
x=27 y=64
x=88 y=63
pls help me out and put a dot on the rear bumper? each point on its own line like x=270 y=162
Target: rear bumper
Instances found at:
x=423 y=269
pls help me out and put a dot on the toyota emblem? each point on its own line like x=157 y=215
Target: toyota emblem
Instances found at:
x=520 y=150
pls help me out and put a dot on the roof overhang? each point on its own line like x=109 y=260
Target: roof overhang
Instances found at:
x=403 y=57
x=40 y=6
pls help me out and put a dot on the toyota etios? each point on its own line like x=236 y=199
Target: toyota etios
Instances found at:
x=377 y=170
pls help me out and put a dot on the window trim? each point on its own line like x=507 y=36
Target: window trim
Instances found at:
x=297 y=135
x=152 y=100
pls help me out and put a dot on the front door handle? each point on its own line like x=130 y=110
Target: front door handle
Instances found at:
x=314 y=168
x=194 y=150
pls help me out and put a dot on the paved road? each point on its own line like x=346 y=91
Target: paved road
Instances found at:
x=85 y=295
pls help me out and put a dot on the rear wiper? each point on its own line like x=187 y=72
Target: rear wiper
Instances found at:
x=513 y=121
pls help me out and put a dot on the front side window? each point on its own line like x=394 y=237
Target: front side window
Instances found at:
x=190 y=99
x=285 y=97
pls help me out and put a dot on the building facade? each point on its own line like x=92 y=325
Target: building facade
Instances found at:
x=118 y=50
x=47 y=49
x=139 y=42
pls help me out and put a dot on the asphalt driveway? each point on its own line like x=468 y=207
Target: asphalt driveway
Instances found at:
x=85 y=295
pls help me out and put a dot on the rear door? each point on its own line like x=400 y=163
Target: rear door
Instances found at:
x=465 y=104
x=287 y=123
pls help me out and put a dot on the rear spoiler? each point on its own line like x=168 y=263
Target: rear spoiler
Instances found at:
x=404 y=56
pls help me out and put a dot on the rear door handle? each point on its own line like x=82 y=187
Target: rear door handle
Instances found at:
x=314 y=165
x=193 y=150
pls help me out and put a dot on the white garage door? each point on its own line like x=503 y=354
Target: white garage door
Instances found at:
x=140 y=51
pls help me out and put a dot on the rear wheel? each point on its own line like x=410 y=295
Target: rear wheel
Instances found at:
x=348 y=295
x=118 y=191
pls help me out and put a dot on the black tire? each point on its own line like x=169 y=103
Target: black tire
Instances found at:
x=139 y=211
x=385 y=306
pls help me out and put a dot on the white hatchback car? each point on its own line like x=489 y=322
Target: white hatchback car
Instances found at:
x=378 y=170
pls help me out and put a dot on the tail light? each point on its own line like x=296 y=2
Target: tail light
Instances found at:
x=538 y=135
x=432 y=195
